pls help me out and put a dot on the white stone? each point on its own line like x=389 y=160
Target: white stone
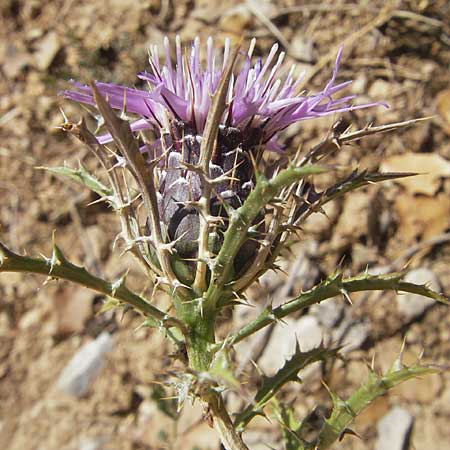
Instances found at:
x=328 y=312
x=393 y=430
x=351 y=334
x=47 y=49
x=414 y=305
x=306 y=330
x=91 y=444
x=78 y=374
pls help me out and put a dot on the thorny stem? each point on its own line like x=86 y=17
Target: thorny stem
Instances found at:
x=242 y=218
x=59 y=267
x=200 y=340
x=128 y=146
x=332 y=287
x=126 y=215
x=345 y=411
x=209 y=139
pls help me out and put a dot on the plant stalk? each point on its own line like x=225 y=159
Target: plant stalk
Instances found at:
x=200 y=343
x=59 y=267
x=223 y=425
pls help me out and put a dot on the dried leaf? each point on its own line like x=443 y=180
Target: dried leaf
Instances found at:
x=72 y=307
x=422 y=216
x=443 y=107
x=82 y=176
x=430 y=168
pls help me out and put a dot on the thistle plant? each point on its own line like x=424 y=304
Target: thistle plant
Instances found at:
x=208 y=198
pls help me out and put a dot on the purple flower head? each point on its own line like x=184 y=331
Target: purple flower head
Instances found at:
x=260 y=103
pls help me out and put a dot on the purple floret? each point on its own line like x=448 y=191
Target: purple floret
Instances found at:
x=258 y=99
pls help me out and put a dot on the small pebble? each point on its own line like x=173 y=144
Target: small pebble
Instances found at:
x=84 y=366
x=414 y=305
x=394 y=429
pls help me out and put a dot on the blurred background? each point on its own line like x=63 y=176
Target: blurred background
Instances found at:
x=398 y=52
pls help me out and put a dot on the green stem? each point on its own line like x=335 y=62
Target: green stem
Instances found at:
x=59 y=267
x=333 y=287
x=345 y=411
x=199 y=335
x=242 y=218
x=200 y=341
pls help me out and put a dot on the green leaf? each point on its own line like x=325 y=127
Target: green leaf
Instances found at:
x=270 y=386
x=334 y=286
x=285 y=416
x=110 y=304
x=344 y=411
x=220 y=368
x=166 y=405
x=59 y=267
x=82 y=176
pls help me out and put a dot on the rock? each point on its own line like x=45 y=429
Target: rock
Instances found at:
x=71 y=309
x=78 y=374
x=302 y=47
x=309 y=333
x=420 y=390
x=351 y=334
x=341 y=325
x=14 y=59
x=236 y=19
x=374 y=412
x=209 y=13
x=443 y=107
x=46 y=51
x=393 y=430
x=359 y=85
x=414 y=305
x=91 y=444
x=380 y=90
x=431 y=167
x=31 y=318
x=153 y=425
x=281 y=345
x=328 y=313
x=319 y=224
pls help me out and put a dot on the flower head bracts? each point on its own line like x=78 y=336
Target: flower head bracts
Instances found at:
x=260 y=103
x=206 y=128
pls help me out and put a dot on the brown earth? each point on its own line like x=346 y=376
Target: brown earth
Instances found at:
x=395 y=51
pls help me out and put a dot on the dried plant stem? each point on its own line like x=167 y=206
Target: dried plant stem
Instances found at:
x=144 y=176
x=209 y=140
x=223 y=425
x=384 y=15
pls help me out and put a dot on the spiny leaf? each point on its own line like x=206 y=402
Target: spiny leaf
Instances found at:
x=220 y=368
x=59 y=267
x=82 y=176
x=311 y=201
x=332 y=287
x=109 y=304
x=271 y=385
x=166 y=405
x=285 y=416
x=344 y=411
x=394 y=281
